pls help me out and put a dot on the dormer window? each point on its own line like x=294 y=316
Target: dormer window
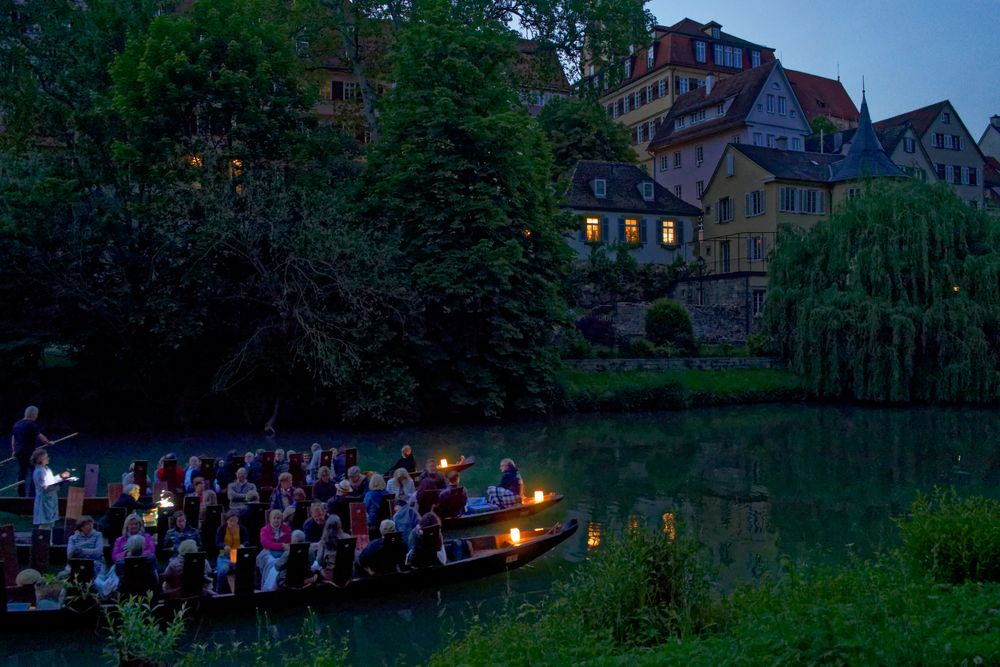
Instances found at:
x=716 y=32
x=650 y=56
x=647 y=191
x=628 y=68
x=699 y=52
x=946 y=118
x=720 y=110
x=600 y=188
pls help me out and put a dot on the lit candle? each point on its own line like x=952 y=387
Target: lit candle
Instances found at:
x=444 y=463
x=539 y=496
x=515 y=535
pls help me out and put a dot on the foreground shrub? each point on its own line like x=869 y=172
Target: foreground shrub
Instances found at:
x=668 y=322
x=954 y=540
x=637 y=591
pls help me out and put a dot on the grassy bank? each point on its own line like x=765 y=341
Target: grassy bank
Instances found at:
x=670 y=390
x=647 y=600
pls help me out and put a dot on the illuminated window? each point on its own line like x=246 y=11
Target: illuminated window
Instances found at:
x=631 y=230
x=669 y=235
x=593 y=230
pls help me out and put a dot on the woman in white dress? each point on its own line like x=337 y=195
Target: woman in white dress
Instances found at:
x=46 y=490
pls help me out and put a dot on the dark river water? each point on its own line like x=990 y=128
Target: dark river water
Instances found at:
x=754 y=485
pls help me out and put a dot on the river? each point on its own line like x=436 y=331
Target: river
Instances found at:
x=754 y=485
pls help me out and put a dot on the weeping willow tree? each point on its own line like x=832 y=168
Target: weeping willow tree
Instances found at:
x=895 y=298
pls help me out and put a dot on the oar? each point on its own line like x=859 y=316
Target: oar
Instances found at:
x=54 y=442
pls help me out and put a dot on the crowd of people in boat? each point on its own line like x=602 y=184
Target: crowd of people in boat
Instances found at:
x=398 y=502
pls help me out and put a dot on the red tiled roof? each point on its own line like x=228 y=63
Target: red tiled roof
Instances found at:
x=920 y=119
x=745 y=87
x=820 y=96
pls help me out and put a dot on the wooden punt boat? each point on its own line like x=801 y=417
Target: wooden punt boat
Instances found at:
x=490 y=554
x=529 y=508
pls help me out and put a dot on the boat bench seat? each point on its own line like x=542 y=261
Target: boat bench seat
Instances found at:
x=482 y=543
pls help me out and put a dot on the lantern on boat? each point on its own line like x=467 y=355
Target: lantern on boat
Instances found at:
x=444 y=463
x=539 y=496
x=515 y=535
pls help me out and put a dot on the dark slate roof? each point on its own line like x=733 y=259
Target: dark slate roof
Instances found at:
x=791 y=165
x=693 y=28
x=623 y=191
x=745 y=87
x=820 y=96
x=833 y=142
x=865 y=158
x=921 y=119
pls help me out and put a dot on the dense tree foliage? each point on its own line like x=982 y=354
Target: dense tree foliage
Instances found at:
x=462 y=174
x=894 y=298
x=579 y=129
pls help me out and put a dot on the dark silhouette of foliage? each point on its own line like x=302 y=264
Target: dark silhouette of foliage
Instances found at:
x=667 y=322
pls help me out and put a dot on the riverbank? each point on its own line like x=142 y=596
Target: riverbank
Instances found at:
x=931 y=602
x=633 y=390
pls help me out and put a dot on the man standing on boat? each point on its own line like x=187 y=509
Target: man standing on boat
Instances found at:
x=27 y=436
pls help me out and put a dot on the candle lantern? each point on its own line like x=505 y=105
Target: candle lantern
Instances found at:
x=515 y=535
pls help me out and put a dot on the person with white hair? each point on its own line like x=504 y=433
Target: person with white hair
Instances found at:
x=26 y=437
x=174 y=573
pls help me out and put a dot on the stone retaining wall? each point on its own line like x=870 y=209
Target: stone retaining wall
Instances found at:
x=673 y=364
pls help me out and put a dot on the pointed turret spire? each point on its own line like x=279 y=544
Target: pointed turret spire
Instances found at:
x=866 y=157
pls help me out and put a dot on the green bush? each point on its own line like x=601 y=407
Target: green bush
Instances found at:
x=954 y=540
x=668 y=322
x=759 y=345
x=575 y=345
x=641 y=348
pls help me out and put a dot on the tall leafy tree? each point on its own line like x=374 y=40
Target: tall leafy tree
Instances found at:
x=894 y=298
x=579 y=129
x=462 y=174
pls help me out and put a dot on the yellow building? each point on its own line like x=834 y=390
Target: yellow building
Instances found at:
x=639 y=90
x=753 y=193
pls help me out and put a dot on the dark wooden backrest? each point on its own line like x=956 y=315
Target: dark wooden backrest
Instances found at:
x=350 y=457
x=133 y=579
x=394 y=541
x=162 y=526
x=170 y=474
x=387 y=508
x=192 y=509
x=114 y=491
x=210 y=526
x=3 y=591
x=326 y=458
x=81 y=570
x=74 y=502
x=208 y=471
x=267 y=469
x=115 y=521
x=298 y=565
x=300 y=516
x=91 y=475
x=193 y=574
x=234 y=463
x=246 y=565
x=343 y=568
x=254 y=519
x=295 y=467
x=8 y=553
x=359 y=524
x=140 y=470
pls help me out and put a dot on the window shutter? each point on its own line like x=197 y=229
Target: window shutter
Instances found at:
x=621 y=230
x=746 y=199
x=642 y=230
x=820 y=201
x=659 y=231
x=604 y=229
x=718 y=208
x=679 y=233
x=763 y=201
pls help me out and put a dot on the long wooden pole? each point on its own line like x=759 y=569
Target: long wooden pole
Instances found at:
x=54 y=442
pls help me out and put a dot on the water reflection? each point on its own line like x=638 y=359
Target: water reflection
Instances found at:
x=754 y=485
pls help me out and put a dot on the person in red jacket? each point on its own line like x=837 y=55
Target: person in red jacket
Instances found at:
x=161 y=474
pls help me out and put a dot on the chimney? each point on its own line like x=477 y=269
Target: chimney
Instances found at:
x=781 y=143
x=995 y=121
x=710 y=84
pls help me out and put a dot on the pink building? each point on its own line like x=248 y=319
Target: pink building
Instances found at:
x=756 y=107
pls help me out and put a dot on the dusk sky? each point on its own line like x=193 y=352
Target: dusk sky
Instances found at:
x=911 y=53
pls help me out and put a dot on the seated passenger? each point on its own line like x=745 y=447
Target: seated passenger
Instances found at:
x=274 y=575
x=133 y=527
x=426 y=549
x=359 y=483
x=283 y=498
x=427 y=494
x=401 y=485
x=326 y=557
x=324 y=488
x=238 y=490
x=452 y=501
x=311 y=462
x=382 y=558
x=129 y=499
x=87 y=543
x=179 y=533
x=508 y=492
x=405 y=519
x=173 y=574
x=406 y=461
x=373 y=499
x=148 y=581
x=207 y=498
x=175 y=484
x=340 y=504
x=313 y=527
x=430 y=472
x=230 y=537
x=193 y=470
